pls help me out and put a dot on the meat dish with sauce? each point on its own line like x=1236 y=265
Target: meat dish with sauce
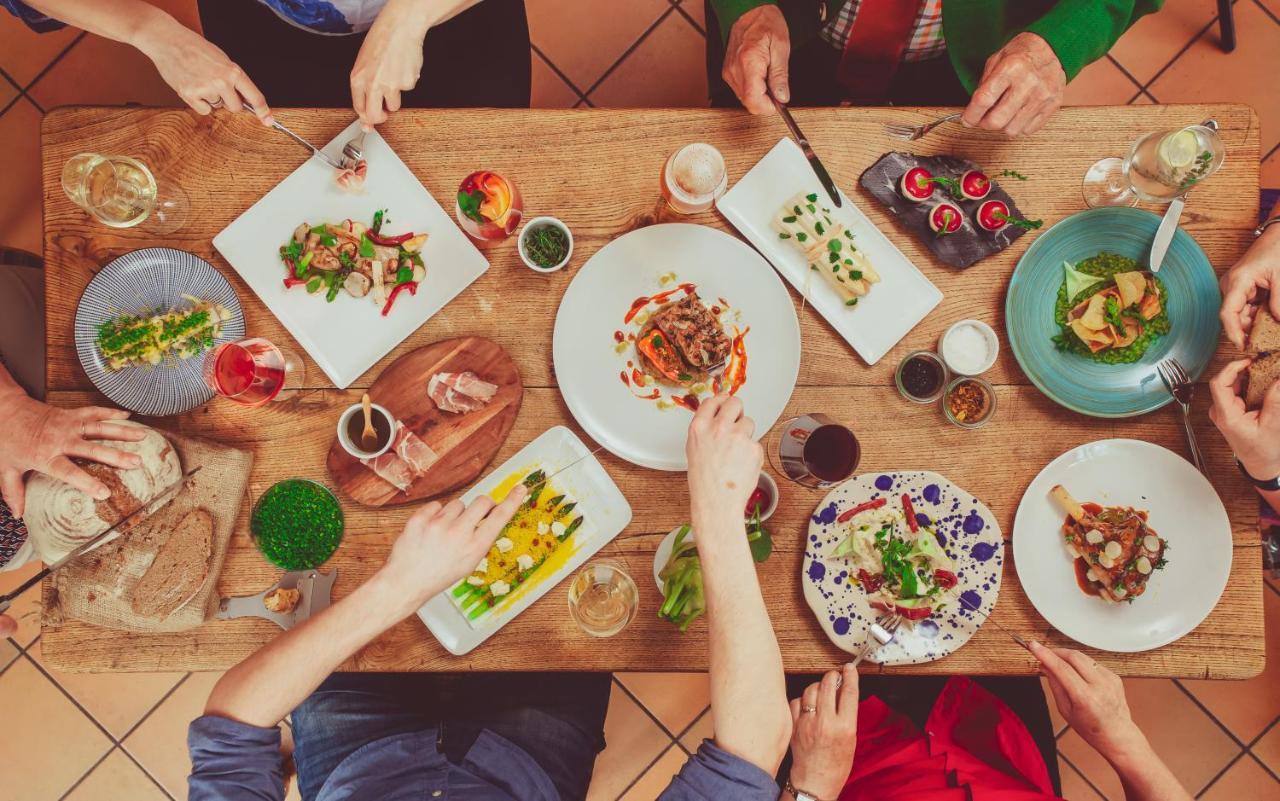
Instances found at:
x=1116 y=552
x=682 y=342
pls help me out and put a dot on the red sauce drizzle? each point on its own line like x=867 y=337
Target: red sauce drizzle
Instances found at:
x=735 y=373
x=661 y=297
x=618 y=336
x=689 y=401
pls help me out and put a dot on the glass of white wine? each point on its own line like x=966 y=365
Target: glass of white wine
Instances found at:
x=603 y=598
x=122 y=192
x=1160 y=167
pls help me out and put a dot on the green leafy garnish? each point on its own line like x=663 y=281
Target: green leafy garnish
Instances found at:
x=1012 y=174
x=366 y=247
x=469 y=204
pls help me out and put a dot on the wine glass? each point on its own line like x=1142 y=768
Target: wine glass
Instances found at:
x=814 y=450
x=253 y=371
x=1160 y=167
x=603 y=598
x=122 y=192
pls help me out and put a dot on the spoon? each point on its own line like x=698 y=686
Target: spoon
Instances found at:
x=369 y=432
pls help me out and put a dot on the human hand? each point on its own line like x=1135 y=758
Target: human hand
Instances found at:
x=443 y=543
x=756 y=58
x=390 y=60
x=724 y=460
x=43 y=438
x=1259 y=269
x=1091 y=699
x=202 y=75
x=825 y=733
x=1022 y=85
x=1253 y=435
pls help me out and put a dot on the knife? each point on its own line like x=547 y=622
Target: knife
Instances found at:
x=156 y=503
x=325 y=157
x=824 y=177
x=580 y=459
x=987 y=618
x=1164 y=234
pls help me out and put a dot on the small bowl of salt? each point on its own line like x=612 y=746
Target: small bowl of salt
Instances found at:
x=970 y=347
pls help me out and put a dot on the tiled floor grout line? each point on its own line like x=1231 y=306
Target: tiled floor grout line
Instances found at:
x=1083 y=775
x=679 y=6
x=551 y=64
x=154 y=707
x=687 y=729
x=1200 y=793
x=634 y=45
x=146 y=771
x=1178 y=683
x=647 y=768
x=1180 y=53
x=1267 y=11
x=91 y=769
x=54 y=62
x=640 y=704
x=71 y=698
x=1136 y=83
x=1271 y=153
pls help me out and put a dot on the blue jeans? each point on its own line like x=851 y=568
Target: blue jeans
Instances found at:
x=556 y=718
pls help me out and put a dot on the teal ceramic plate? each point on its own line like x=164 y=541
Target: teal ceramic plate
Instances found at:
x=1086 y=386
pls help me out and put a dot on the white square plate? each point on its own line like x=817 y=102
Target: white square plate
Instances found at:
x=605 y=514
x=252 y=243
x=892 y=307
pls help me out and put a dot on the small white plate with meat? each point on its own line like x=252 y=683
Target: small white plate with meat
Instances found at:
x=834 y=256
x=661 y=318
x=311 y=194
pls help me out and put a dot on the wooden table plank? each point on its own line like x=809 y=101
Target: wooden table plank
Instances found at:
x=569 y=164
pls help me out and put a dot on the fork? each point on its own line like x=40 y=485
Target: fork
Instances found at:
x=910 y=133
x=882 y=634
x=353 y=151
x=1179 y=384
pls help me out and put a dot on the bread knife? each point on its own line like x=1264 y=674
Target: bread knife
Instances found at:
x=155 y=505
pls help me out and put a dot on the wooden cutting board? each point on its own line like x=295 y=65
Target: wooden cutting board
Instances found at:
x=465 y=443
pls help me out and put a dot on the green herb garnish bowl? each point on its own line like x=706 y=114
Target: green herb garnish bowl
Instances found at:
x=545 y=244
x=297 y=524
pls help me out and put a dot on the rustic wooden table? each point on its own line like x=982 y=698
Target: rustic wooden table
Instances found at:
x=598 y=170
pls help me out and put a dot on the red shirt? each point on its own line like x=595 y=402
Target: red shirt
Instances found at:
x=973 y=748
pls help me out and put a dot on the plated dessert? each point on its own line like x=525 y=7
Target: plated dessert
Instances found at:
x=828 y=247
x=1115 y=551
x=1109 y=310
x=356 y=258
x=956 y=209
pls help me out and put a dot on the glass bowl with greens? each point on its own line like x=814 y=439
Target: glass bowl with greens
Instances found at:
x=297 y=524
x=546 y=244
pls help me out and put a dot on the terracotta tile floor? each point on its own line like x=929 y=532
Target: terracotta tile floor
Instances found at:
x=91 y=738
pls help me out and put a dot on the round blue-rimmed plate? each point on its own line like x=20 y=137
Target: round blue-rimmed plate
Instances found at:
x=1079 y=383
x=151 y=280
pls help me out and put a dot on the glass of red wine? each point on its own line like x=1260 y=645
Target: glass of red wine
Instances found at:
x=816 y=451
x=253 y=371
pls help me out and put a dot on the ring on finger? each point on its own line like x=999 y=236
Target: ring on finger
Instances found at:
x=808 y=710
x=215 y=103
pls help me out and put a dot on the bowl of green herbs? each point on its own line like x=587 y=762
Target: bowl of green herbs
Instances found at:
x=546 y=244
x=297 y=524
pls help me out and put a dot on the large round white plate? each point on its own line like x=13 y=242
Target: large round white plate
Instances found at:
x=1184 y=509
x=587 y=365
x=969 y=534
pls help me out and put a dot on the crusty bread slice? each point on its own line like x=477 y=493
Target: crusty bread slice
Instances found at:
x=1264 y=337
x=179 y=568
x=1264 y=372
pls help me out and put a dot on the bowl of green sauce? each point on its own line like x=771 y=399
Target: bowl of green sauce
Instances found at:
x=297 y=524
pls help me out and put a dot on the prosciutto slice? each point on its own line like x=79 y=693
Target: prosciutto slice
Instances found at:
x=405 y=462
x=460 y=392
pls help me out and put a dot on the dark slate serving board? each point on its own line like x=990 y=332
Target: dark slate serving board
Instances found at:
x=969 y=244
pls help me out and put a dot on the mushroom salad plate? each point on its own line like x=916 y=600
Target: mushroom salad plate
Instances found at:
x=910 y=542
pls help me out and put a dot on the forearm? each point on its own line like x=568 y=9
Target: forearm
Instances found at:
x=748 y=691
x=268 y=685
x=422 y=15
x=129 y=21
x=1144 y=775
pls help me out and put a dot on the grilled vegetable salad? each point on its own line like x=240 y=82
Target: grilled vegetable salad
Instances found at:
x=683 y=600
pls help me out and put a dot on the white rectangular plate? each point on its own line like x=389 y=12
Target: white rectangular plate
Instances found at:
x=892 y=307
x=350 y=335
x=605 y=514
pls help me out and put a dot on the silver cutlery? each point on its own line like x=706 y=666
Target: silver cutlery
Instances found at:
x=910 y=133
x=1179 y=384
x=819 y=170
x=279 y=127
x=987 y=618
x=882 y=634
x=353 y=151
x=1169 y=225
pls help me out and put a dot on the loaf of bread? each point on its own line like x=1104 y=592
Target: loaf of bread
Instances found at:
x=179 y=569
x=1264 y=347
x=60 y=518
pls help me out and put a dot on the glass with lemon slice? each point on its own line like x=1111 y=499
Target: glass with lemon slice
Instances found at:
x=1161 y=166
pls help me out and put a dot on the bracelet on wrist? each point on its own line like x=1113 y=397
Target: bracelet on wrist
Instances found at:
x=1264 y=483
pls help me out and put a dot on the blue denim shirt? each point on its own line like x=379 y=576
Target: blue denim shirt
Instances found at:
x=233 y=761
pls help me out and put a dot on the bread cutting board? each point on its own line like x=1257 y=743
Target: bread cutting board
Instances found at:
x=465 y=443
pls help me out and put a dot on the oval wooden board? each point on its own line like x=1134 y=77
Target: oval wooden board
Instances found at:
x=466 y=443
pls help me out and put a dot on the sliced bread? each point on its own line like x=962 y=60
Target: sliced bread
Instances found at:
x=1264 y=337
x=1264 y=372
x=179 y=569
